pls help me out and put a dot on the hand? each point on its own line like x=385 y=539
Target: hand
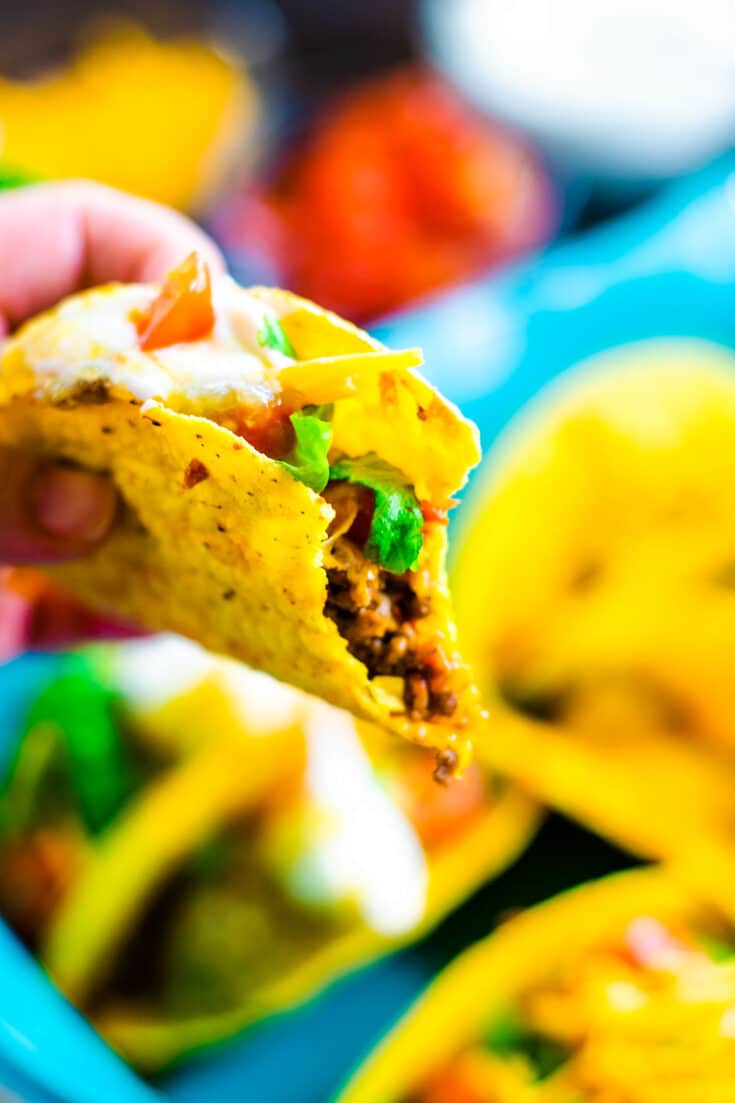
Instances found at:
x=56 y=239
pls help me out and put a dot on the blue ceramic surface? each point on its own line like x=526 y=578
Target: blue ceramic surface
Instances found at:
x=666 y=270
x=47 y=1051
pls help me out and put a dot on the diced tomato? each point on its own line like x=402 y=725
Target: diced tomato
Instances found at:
x=439 y=812
x=34 y=875
x=266 y=427
x=649 y=944
x=271 y=433
x=360 y=527
x=183 y=309
x=434 y=515
x=452 y=1085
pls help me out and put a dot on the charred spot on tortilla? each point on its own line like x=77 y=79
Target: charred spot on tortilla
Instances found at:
x=586 y=576
x=87 y=392
x=196 y=472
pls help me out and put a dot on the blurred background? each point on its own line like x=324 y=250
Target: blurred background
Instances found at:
x=455 y=136
x=515 y=188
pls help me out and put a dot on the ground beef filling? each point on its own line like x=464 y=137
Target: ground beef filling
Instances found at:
x=376 y=613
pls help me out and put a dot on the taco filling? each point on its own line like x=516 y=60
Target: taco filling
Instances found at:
x=648 y=1018
x=286 y=482
x=379 y=612
x=375 y=595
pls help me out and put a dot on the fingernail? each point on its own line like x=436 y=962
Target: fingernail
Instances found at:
x=74 y=504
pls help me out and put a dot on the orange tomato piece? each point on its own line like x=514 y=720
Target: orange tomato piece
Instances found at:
x=435 y=515
x=35 y=872
x=182 y=311
x=452 y=1085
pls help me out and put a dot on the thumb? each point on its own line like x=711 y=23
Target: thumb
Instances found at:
x=50 y=512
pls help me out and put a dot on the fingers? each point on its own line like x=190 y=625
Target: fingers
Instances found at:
x=131 y=239
x=50 y=512
x=57 y=238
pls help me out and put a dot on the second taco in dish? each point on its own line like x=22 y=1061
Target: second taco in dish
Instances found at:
x=189 y=846
x=619 y=991
x=594 y=593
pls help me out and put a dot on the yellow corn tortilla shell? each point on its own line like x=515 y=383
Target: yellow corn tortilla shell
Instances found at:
x=594 y=592
x=233 y=557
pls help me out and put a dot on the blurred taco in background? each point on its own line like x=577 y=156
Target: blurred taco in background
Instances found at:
x=111 y=113
x=188 y=845
x=595 y=591
x=621 y=990
x=285 y=482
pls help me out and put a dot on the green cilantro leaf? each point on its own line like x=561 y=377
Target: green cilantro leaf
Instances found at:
x=395 y=538
x=274 y=336
x=307 y=461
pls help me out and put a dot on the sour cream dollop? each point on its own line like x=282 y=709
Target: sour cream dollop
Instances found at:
x=629 y=88
x=358 y=846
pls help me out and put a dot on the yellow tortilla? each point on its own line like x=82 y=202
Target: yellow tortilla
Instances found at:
x=594 y=589
x=215 y=540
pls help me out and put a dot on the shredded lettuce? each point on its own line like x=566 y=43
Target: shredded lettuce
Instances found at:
x=307 y=461
x=508 y=1036
x=395 y=538
x=274 y=336
x=80 y=713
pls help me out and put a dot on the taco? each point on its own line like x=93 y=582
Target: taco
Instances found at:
x=188 y=845
x=621 y=991
x=284 y=481
x=594 y=594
